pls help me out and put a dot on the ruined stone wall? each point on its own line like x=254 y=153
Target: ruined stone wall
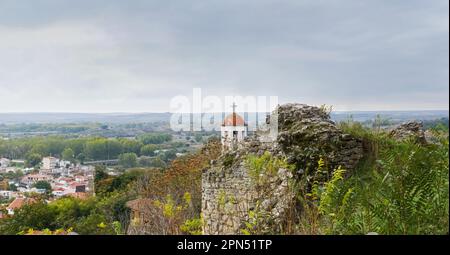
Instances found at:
x=229 y=194
x=409 y=130
x=306 y=134
x=226 y=196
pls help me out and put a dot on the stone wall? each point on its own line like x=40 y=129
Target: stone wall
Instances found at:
x=306 y=134
x=409 y=130
x=226 y=196
x=229 y=194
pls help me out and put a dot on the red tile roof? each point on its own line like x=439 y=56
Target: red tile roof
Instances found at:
x=19 y=202
x=233 y=119
x=76 y=184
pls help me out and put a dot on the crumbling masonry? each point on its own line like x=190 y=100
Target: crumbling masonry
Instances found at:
x=306 y=134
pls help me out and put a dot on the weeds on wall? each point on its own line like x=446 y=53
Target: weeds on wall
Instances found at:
x=399 y=188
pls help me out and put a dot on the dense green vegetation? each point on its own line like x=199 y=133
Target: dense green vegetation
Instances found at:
x=83 y=149
x=43 y=185
x=62 y=214
x=105 y=213
x=69 y=128
x=155 y=138
x=84 y=128
x=403 y=188
x=175 y=194
x=440 y=124
x=399 y=188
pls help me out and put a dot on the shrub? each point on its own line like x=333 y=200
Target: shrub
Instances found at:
x=405 y=191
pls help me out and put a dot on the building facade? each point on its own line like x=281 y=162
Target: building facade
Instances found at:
x=49 y=163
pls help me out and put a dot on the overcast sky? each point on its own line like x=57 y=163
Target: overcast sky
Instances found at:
x=134 y=56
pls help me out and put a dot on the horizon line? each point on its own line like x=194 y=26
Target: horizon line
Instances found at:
x=165 y=112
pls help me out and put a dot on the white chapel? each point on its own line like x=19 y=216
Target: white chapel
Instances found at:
x=233 y=130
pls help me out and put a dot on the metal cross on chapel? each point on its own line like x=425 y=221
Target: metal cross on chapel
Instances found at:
x=234 y=107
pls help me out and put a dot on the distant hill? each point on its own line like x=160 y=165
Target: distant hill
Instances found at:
x=14 y=118
x=394 y=116
x=119 y=118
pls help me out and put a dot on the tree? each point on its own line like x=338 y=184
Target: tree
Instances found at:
x=96 y=149
x=176 y=194
x=33 y=216
x=43 y=185
x=100 y=173
x=77 y=145
x=12 y=187
x=121 y=182
x=94 y=224
x=81 y=157
x=158 y=162
x=155 y=138
x=198 y=137
x=149 y=150
x=83 y=216
x=102 y=148
x=33 y=160
x=128 y=160
x=129 y=145
x=169 y=155
x=145 y=161
x=68 y=155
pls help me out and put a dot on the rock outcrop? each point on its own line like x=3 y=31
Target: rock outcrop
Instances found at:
x=306 y=134
x=410 y=130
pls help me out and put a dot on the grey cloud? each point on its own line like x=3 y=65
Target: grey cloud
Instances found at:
x=136 y=55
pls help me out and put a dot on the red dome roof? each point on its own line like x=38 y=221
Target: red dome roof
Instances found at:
x=233 y=119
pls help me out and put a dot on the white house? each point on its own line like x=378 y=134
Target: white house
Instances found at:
x=4 y=162
x=27 y=170
x=11 y=170
x=49 y=163
x=33 y=178
x=60 y=191
x=8 y=194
